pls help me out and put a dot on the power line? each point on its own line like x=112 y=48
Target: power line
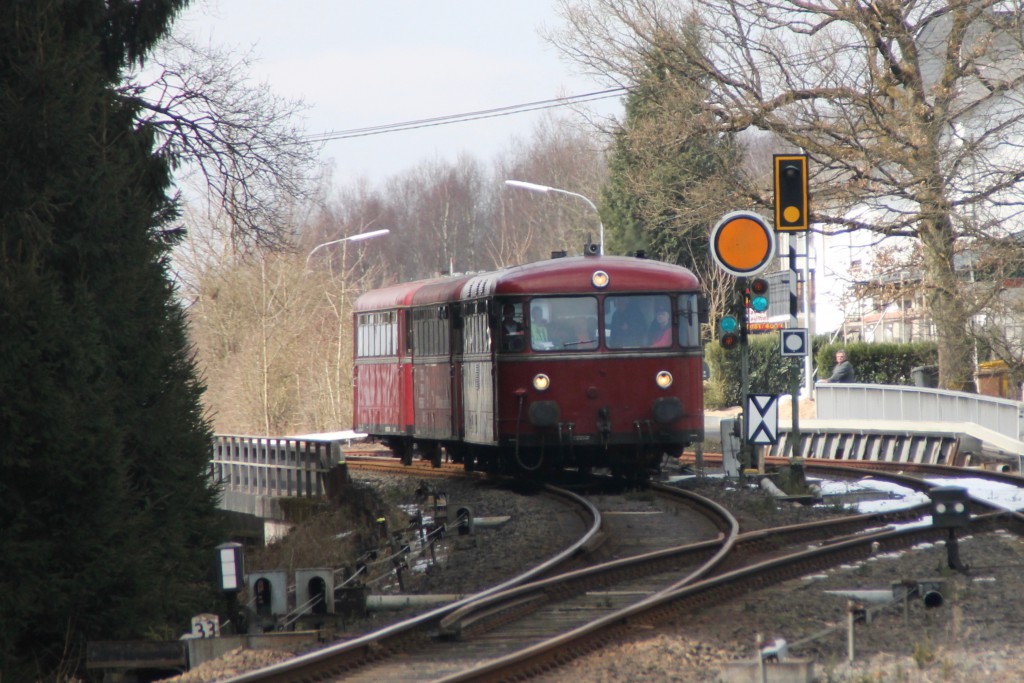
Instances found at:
x=467 y=116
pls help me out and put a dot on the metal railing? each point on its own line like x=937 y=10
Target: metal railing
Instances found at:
x=265 y=467
x=916 y=404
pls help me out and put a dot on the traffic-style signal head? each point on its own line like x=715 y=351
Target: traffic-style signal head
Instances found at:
x=730 y=327
x=792 y=204
x=758 y=295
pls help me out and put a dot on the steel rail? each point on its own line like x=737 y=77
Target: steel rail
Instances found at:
x=668 y=604
x=550 y=654
x=517 y=602
x=336 y=659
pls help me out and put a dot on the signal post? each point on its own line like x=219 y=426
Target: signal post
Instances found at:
x=792 y=215
x=743 y=245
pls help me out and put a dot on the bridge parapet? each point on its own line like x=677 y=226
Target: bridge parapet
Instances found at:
x=918 y=404
x=256 y=471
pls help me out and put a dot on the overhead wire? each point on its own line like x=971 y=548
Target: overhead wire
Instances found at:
x=467 y=116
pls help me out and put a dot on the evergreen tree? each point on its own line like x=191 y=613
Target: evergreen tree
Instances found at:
x=106 y=514
x=670 y=176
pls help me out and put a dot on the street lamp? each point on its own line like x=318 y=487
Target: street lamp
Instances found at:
x=351 y=238
x=544 y=189
x=342 y=304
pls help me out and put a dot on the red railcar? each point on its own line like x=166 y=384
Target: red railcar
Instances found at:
x=583 y=362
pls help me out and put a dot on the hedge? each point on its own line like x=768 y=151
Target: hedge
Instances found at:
x=770 y=373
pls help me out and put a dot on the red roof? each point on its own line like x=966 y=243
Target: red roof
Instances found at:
x=563 y=275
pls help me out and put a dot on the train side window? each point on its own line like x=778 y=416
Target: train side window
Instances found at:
x=511 y=327
x=476 y=333
x=689 y=319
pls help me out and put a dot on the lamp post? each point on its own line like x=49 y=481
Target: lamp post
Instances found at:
x=344 y=282
x=351 y=238
x=544 y=189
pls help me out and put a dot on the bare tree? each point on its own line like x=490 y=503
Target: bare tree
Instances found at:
x=241 y=140
x=911 y=111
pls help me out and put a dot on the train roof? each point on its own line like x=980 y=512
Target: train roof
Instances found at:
x=562 y=275
x=575 y=274
x=435 y=290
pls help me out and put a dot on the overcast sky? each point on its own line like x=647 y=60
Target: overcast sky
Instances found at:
x=361 y=63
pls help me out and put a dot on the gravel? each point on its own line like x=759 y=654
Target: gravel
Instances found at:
x=973 y=636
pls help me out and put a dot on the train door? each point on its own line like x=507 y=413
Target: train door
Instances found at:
x=455 y=356
x=477 y=373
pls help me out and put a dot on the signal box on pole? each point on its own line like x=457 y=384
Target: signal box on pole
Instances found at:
x=792 y=203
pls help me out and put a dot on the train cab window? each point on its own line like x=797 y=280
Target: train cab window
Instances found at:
x=638 y=321
x=565 y=323
x=511 y=327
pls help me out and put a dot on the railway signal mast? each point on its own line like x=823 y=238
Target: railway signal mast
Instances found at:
x=743 y=245
x=792 y=215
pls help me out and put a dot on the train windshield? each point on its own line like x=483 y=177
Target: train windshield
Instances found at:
x=563 y=323
x=644 y=321
x=630 y=321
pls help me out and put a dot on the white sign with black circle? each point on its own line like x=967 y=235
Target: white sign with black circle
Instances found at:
x=794 y=342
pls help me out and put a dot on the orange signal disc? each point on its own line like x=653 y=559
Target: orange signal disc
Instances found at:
x=742 y=243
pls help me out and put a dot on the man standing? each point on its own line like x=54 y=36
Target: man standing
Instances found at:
x=842 y=373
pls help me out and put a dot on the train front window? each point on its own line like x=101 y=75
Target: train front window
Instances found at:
x=638 y=321
x=563 y=323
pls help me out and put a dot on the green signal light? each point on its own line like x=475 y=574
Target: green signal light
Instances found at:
x=759 y=303
x=729 y=324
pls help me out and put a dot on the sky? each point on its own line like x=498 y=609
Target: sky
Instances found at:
x=358 y=63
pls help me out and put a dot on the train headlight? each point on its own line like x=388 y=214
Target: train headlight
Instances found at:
x=600 y=279
x=663 y=379
x=541 y=382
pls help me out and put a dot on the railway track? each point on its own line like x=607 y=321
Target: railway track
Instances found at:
x=517 y=631
x=411 y=633
x=371 y=657
x=382 y=461
x=768 y=563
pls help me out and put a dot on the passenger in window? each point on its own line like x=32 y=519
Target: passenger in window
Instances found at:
x=539 y=330
x=511 y=329
x=660 y=332
x=628 y=329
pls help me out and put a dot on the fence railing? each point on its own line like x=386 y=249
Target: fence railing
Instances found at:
x=891 y=402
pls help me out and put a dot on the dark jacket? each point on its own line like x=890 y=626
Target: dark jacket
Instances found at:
x=843 y=373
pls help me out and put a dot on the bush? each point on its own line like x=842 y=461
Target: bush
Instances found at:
x=889 y=363
x=769 y=372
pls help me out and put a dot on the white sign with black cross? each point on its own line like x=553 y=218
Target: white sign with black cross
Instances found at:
x=794 y=342
x=762 y=419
